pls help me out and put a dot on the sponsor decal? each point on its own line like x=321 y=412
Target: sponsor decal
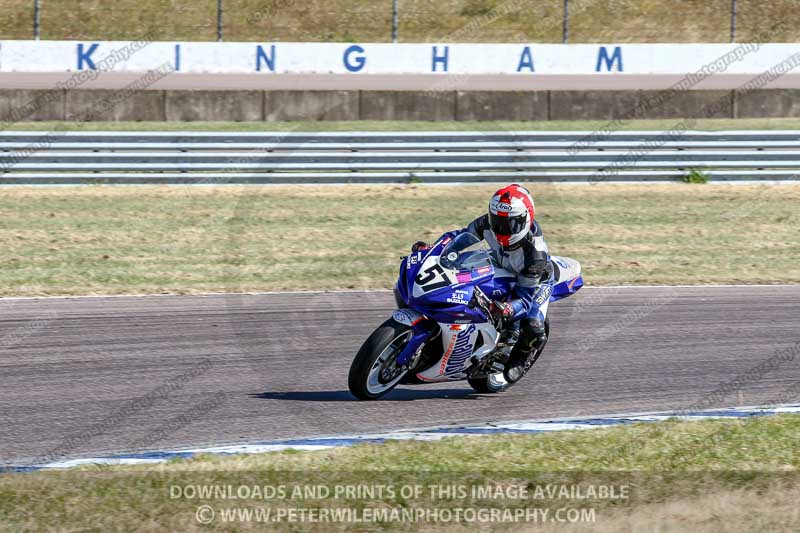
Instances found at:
x=500 y=206
x=452 y=256
x=547 y=290
x=463 y=277
x=404 y=316
x=459 y=296
x=459 y=349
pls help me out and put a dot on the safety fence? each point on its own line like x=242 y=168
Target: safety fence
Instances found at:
x=393 y=157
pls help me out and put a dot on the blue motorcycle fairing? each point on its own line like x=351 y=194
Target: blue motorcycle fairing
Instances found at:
x=566 y=288
x=420 y=331
x=409 y=270
x=448 y=300
x=449 y=303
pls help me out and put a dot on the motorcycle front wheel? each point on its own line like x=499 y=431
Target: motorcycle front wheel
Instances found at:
x=374 y=371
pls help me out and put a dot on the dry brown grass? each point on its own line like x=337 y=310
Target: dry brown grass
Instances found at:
x=141 y=239
x=420 y=20
x=731 y=511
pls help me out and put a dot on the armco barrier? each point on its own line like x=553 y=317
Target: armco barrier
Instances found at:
x=374 y=157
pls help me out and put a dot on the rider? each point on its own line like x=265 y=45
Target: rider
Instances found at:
x=517 y=245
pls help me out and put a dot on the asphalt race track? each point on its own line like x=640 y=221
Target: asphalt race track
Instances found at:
x=85 y=376
x=392 y=82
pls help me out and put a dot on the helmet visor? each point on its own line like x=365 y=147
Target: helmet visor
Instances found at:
x=507 y=226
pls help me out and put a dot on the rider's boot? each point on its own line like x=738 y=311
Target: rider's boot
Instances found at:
x=532 y=337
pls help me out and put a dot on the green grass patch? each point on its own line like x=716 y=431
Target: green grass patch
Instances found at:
x=146 y=239
x=731 y=475
x=712 y=124
x=696 y=176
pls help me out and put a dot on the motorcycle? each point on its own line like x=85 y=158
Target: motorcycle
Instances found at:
x=443 y=329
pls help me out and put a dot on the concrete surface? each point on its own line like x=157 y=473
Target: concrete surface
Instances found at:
x=765 y=103
x=502 y=105
x=113 y=106
x=25 y=105
x=398 y=82
x=408 y=105
x=311 y=105
x=236 y=106
x=192 y=97
x=18 y=105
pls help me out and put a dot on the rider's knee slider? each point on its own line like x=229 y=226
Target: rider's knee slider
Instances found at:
x=534 y=326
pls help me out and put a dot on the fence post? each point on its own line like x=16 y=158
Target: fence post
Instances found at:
x=219 y=20
x=565 y=23
x=394 y=21
x=733 y=21
x=37 y=9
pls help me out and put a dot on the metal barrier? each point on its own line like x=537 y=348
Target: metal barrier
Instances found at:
x=375 y=157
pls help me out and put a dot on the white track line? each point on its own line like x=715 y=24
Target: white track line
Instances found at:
x=530 y=427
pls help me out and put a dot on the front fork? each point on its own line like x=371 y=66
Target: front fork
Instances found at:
x=421 y=330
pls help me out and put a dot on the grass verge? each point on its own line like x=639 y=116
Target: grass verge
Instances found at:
x=722 y=475
x=141 y=239
x=711 y=124
x=524 y=21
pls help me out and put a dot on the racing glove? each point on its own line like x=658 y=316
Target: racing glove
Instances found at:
x=419 y=245
x=502 y=312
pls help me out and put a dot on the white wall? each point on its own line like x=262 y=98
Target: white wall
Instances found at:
x=119 y=56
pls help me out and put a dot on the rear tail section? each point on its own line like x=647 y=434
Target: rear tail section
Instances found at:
x=568 y=277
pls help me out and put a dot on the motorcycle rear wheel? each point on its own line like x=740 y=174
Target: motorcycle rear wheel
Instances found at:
x=489 y=384
x=494 y=383
x=374 y=372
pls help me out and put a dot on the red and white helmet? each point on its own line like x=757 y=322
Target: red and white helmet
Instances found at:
x=511 y=214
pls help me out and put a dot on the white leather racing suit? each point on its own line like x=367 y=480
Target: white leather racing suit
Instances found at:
x=528 y=260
